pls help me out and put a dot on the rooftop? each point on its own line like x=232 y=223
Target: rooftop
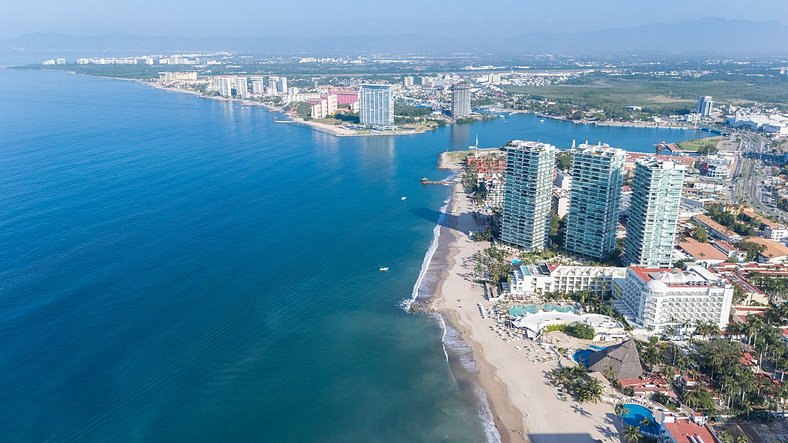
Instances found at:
x=681 y=431
x=773 y=248
x=702 y=251
x=708 y=221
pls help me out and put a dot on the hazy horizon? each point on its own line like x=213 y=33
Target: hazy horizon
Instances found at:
x=246 y=18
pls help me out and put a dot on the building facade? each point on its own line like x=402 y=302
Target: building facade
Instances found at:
x=529 y=280
x=527 y=194
x=653 y=213
x=461 y=100
x=595 y=200
x=660 y=299
x=705 y=104
x=376 y=105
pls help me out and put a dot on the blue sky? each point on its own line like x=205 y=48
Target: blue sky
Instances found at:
x=246 y=18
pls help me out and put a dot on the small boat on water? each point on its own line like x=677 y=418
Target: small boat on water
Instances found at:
x=383 y=269
x=403 y=198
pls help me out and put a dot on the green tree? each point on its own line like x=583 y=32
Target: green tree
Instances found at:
x=563 y=160
x=632 y=434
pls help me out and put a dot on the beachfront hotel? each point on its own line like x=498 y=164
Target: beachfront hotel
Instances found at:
x=530 y=280
x=653 y=213
x=594 y=202
x=461 y=100
x=376 y=105
x=658 y=299
x=527 y=194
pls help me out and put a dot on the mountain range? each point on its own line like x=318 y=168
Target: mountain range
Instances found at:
x=701 y=36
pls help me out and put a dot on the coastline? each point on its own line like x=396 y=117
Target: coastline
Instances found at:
x=511 y=372
x=596 y=123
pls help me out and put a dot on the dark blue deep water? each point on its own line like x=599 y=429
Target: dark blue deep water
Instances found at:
x=175 y=269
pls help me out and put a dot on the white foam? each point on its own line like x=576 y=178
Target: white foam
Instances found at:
x=425 y=264
x=451 y=339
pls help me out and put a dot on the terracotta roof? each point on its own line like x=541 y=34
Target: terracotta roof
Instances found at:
x=773 y=248
x=750 y=212
x=681 y=430
x=702 y=251
x=708 y=221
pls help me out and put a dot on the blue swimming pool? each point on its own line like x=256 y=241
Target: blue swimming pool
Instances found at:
x=557 y=308
x=634 y=417
x=581 y=356
x=521 y=310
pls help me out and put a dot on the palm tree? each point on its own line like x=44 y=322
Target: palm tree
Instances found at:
x=741 y=438
x=725 y=437
x=645 y=423
x=632 y=434
x=621 y=410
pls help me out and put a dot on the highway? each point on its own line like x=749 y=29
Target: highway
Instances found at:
x=749 y=177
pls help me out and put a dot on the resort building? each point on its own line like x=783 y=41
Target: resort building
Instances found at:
x=659 y=299
x=527 y=194
x=461 y=100
x=653 y=213
x=774 y=252
x=529 y=280
x=702 y=253
x=376 y=105
x=595 y=196
x=684 y=429
x=605 y=328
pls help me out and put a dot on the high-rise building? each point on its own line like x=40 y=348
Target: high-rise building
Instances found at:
x=653 y=212
x=241 y=88
x=704 y=105
x=595 y=199
x=407 y=80
x=461 y=100
x=527 y=194
x=258 y=86
x=377 y=105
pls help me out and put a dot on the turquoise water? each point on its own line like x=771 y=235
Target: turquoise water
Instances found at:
x=636 y=414
x=557 y=308
x=174 y=268
x=521 y=310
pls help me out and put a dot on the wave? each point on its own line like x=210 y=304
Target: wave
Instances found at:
x=425 y=264
x=462 y=355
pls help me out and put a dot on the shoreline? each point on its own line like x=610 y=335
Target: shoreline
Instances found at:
x=616 y=124
x=511 y=371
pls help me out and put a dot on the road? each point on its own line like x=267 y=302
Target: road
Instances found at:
x=749 y=177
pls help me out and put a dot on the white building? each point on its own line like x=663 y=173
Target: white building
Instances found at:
x=705 y=104
x=658 y=298
x=653 y=213
x=258 y=86
x=528 y=194
x=539 y=279
x=376 y=105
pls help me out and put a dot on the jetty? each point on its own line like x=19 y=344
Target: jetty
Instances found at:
x=426 y=181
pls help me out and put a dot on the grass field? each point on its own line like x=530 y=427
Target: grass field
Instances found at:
x=659 y=95
x=696 y=145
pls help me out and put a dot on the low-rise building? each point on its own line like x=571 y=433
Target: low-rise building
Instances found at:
x=702 y=253
x=675 y=429
x=774 y=252
x=659 y=299
x=539 y=279
x=716 y=229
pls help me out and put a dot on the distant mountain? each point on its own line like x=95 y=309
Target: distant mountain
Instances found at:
x=702 y=36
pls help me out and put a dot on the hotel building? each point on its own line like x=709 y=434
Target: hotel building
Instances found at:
x=653 y=213
x=595 y=199
x=659 y=298
x=527 y=194
x=377 y=105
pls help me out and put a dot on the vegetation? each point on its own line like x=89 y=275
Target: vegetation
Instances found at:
x=563 y=160
x=491 y=265
x=575 y=380
x=752 y=249
x=742 y=224
x=702 y=146
x=580 y=330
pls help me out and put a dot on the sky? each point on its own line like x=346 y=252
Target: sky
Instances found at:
x=256 y=18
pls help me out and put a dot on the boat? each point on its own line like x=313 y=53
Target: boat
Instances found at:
x=541 y=120
x=403 y=198
x=383 y=268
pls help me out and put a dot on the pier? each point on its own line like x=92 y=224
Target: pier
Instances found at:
x=426 y=181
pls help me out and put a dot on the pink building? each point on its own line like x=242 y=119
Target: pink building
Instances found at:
x=345 y=96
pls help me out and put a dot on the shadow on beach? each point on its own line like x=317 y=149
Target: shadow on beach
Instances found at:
x=451 y=221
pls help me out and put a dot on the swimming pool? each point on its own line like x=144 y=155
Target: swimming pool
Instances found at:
x=557 y=308
x=521 y=310
x=635 y=415
x=581 y=356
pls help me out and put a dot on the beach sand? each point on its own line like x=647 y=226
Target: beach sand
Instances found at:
x=512 y=373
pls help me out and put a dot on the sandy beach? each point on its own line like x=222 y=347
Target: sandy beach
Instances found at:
x=511 y=370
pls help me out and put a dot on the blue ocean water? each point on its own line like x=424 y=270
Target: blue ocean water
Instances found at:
x=174 y=268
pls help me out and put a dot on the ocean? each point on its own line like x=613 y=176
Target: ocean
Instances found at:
x=176 y=268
